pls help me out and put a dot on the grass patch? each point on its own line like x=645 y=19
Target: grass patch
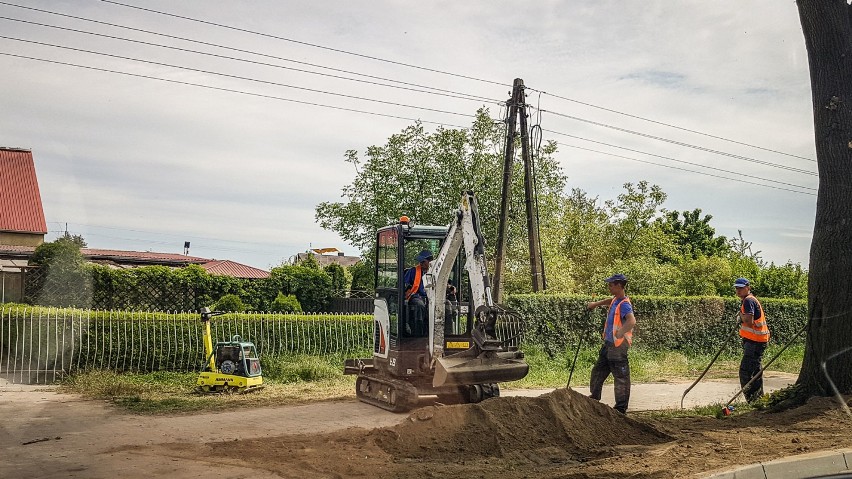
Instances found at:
x=300 y=378
x=291 y=380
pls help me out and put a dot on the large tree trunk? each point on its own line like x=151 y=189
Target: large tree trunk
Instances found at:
x=828 y=37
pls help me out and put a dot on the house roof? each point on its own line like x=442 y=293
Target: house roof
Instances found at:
x=230 y=268
x=327 y=259
x=16 y=251
x=141 y=257
x=20 y=200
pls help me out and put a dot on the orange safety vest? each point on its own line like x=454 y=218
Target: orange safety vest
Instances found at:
x=616 y=324
x=416 y=285
x=760 y=331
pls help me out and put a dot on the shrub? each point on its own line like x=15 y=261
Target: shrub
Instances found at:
x=230 y=303
x=286 y=304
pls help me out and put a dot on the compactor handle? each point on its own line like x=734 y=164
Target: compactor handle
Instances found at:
x=206 y=314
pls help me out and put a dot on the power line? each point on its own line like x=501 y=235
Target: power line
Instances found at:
x=672 y=126
x=230 y=90
x=225 y=57
x=678 y=161
x=298 y=62
x=688 y=170
x=416 y=67
x=314 y=45
x=238 y=77
x=679 y=143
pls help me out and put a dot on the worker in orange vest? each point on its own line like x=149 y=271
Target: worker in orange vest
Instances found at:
x=617 y=336
x=415 y=294
x=755 y=335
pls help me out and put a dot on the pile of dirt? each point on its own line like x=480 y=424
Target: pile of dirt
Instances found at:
x=562 y=434
x=562 y=420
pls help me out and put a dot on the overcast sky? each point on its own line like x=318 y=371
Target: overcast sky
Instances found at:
x=143 y=164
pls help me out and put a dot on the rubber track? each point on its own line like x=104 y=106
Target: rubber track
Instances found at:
x=404 y=392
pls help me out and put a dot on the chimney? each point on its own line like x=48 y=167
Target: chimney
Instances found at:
x=186 y=248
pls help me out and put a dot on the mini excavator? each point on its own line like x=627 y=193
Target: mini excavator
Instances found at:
x=233 y=366
x=456 y=356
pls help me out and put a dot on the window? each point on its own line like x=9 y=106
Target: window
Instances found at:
x=388 y=276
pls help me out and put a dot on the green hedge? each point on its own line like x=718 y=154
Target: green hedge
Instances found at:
x=50 y=339
x=689 y=324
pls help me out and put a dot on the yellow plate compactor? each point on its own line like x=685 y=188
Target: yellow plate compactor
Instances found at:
x=233 y=366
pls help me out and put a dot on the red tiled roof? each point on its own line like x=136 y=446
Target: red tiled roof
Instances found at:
x=20 y=200
x=237 y=270
x=140 y=256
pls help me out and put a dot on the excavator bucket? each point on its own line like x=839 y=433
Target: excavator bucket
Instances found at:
x=461 y=369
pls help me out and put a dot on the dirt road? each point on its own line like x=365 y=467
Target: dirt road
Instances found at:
x=46 y=434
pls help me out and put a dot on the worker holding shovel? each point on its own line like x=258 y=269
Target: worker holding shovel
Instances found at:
x=755 y=335
x=617 y=337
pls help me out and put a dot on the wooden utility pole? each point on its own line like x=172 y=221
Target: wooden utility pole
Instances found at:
x=536 y=270
x=511 y=119
x=516 y=105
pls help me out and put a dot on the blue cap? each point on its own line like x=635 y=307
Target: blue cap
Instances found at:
x=741 y=283
x=424 y=255
x=616 y=277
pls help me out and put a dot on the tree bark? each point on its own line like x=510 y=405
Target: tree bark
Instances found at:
x=828 y=36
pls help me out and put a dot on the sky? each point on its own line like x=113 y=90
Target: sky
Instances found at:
x=709 y=100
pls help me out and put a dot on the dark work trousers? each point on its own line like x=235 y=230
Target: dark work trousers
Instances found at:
x=613 y=360
x=417 y=319
x=750 y=366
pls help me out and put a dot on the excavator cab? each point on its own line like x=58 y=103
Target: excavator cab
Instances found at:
x=452 y=349
x=398 y=246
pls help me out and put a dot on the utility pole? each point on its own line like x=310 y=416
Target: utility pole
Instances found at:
x=536 y=270
x=516 y=105
x=511 y=118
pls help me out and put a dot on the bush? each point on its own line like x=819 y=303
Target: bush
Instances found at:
x=286 y=304
x=230 y=303
x=694 y=325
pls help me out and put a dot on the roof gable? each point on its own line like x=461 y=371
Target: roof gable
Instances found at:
x=234 y=269
x=20 y=199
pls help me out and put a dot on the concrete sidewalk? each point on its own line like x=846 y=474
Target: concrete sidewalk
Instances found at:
x=654 y=396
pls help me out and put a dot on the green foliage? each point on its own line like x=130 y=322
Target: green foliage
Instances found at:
x=230 y=303
x=311 y=286
x=785 y=281
x=693 y=236
x=285 y=304
x=632 y=231
x=301 y=368
x=693 y=325
x=362 y=275
x=422 y=175
x=62 y=278
x=337 y=275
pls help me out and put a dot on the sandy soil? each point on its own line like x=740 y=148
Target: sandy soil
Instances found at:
x=561 y=434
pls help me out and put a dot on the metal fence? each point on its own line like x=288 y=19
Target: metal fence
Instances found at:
x=40 y=346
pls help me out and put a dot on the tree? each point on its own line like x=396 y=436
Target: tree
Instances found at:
x=62 y=278
x=633 y=231
x=422 y=175
x=827 y=29
x=362 y=276
x=693 y=235
x=338 y=277
x=311 y=286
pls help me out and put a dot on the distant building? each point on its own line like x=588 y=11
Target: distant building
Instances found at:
x=327 y=256
x=22 y=224
x=23 y=227
x=134 y=259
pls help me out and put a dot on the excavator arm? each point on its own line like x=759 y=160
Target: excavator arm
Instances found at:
x=486 y=361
